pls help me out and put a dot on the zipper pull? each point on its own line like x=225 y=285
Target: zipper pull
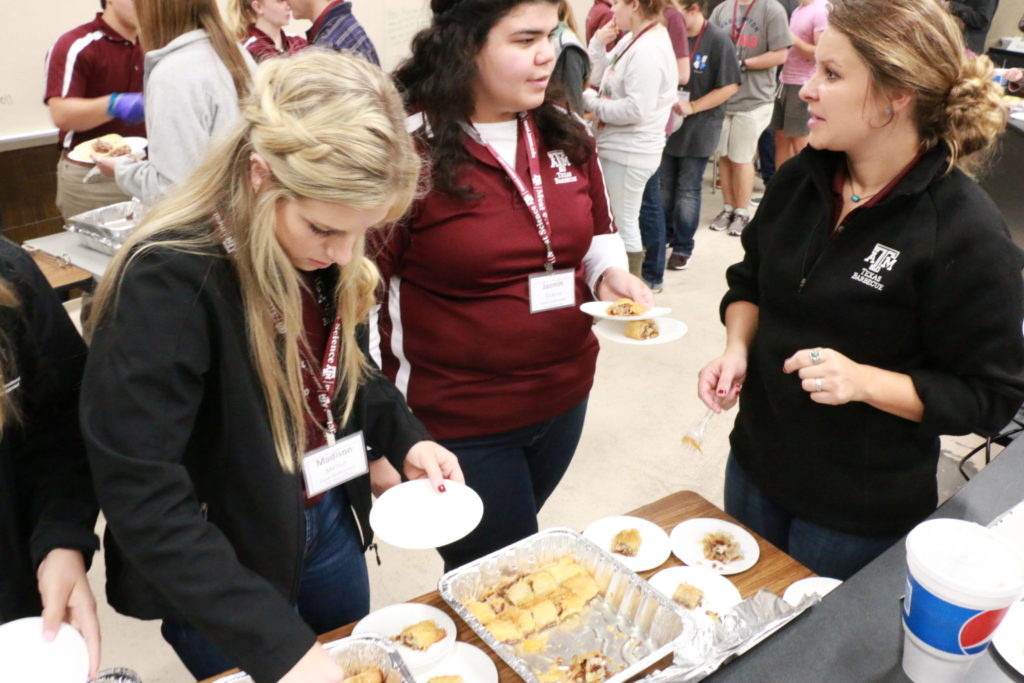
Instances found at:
x=800 y=289
x=373 y=546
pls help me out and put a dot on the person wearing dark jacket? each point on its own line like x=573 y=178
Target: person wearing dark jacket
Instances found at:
x=206 y=409
x=47 y=507
x=879 y=302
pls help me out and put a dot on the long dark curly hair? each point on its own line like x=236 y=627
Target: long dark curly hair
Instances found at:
x=437 y=80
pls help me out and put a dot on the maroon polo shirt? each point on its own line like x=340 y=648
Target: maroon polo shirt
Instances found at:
x=94 y=60
x=261 y=46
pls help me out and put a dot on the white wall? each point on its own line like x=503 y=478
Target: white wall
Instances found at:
x=24 y=119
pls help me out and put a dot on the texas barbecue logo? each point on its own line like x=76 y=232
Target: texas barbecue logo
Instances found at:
x=560 y=161
x=881 y=258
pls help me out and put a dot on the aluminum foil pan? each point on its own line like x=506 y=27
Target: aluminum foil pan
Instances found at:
x=107 y=228
x=629 y=621
x=355 y=653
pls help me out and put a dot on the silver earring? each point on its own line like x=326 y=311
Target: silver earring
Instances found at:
x=888 y=111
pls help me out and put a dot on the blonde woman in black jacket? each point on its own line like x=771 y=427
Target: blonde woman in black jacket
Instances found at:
x=47 y=507
x=879 y=301
x=207 y=395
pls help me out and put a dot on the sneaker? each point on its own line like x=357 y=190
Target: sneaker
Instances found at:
x=721 y=221
x=739 y=221
x=678 y=262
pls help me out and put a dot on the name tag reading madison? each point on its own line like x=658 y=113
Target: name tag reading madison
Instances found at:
x=330 y=466
x=549 y=291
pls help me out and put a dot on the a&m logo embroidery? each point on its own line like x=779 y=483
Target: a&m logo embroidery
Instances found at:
x=881 y=258
x=560 y=161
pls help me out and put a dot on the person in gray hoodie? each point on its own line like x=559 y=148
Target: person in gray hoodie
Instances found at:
x=195 y=75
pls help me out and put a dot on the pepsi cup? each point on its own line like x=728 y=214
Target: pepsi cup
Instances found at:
x=961 y=580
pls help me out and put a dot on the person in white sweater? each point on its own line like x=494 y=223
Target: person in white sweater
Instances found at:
x=195 y=75
x=631 y=109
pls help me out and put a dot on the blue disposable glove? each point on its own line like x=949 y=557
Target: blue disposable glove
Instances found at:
x=127 y=106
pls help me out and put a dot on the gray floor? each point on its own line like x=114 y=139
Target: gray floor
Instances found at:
x=644 y=400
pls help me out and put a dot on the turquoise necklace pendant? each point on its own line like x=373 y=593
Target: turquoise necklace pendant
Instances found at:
x=854 y=198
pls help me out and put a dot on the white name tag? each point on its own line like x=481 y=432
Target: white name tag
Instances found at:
x=330 y=466
x=549 y=291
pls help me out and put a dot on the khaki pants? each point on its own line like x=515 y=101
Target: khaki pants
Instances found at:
x=75 y=197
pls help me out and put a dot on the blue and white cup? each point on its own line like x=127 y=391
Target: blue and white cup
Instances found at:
x=961 y=580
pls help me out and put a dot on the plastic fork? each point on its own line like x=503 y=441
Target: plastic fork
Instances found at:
x=694 y=438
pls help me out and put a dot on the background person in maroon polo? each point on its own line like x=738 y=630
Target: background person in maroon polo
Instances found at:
x=94 y=87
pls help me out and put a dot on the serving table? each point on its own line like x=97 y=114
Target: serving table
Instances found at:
x=774 y=571
x=855 y=635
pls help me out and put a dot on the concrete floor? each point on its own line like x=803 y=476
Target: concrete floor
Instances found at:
x=651 y=389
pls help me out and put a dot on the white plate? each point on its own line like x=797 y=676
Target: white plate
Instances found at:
x=389 y=621
x=654 y=547
x=687 y=541
x=813 y=585
x=720 y=594
x=464 y=660
x=1009 y=637
x=599 y=309
x=25 y=656
x=415 y=516
x=136 y=143
x=669 y=329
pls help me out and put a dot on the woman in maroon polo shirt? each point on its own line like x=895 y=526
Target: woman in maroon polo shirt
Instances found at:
x=260 y=24
x=481 y=328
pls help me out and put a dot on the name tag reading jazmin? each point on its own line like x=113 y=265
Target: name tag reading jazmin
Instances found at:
x=549 y=291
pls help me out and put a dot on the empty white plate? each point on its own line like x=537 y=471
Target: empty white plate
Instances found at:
x=391 y=620
x=814 y=585
x=25 y=656
x=464 y=660
x=1009 y=637
x=687 y=541
x=654 y=547
x=599 y=309
x=415 y=516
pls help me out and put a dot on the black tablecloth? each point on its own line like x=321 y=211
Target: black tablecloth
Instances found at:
x=855 y=633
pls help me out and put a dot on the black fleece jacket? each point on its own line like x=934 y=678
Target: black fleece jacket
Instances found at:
x=46 y=498
x=926 y=282
x=204 y=525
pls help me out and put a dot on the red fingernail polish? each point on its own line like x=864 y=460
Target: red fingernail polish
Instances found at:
x=441 y=488
x=721 y=392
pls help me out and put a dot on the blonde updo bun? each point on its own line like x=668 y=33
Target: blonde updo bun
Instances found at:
x=918 y=48
x=974 y=113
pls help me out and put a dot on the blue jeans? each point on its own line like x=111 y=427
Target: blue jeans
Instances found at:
x=652 y=232
x=334 y=589
x=766 y=154
x=514 y=472
x=681 y=184
x=824 y=551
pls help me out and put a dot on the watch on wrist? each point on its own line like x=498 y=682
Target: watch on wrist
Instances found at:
x=743 y=65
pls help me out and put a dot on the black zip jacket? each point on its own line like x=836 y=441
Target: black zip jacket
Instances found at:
x=46 y=498
x=926 y=283
x=204 y=526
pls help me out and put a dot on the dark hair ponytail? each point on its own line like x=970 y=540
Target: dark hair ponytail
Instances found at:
x=437 y=80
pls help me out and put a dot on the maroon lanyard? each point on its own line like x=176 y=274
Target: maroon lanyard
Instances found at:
x=737 y=30
x=700 y=34
x=328 y=376
x=619 y=56
x=534 y=200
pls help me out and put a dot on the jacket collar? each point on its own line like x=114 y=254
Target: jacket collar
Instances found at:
x=337 y=7
x=822 y=164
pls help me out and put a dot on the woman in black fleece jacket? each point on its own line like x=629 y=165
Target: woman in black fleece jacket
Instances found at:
x=879 y=301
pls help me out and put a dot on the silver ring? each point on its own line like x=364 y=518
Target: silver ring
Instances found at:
x=817 y=384
x=815 y=356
